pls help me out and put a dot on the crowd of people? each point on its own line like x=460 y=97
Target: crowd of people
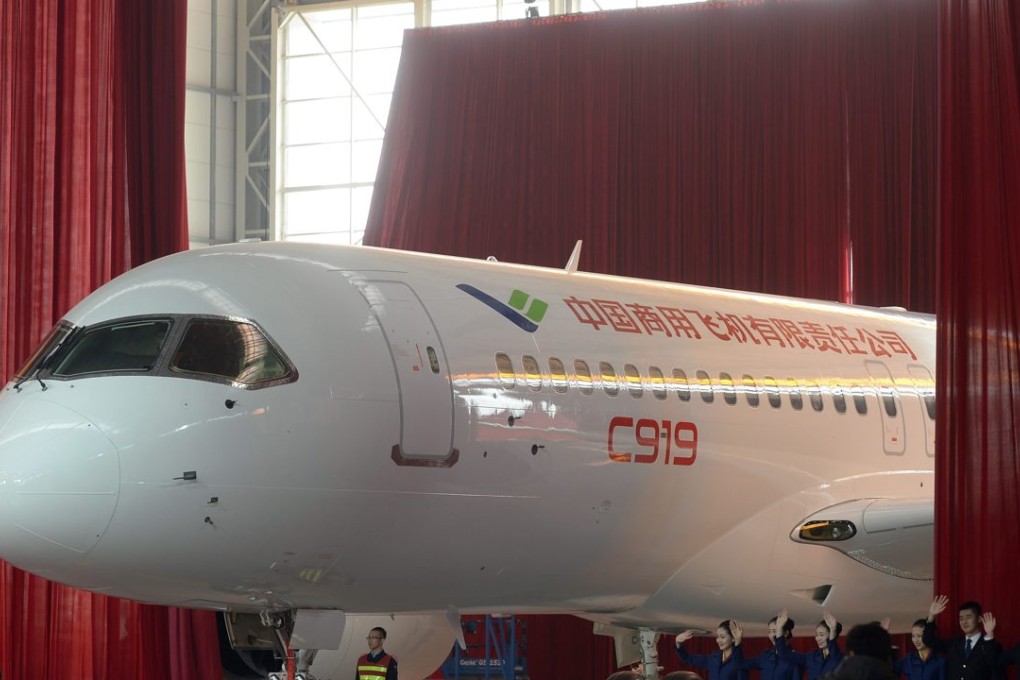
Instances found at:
x=869 y=654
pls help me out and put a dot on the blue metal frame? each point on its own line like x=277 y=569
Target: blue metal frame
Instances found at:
x=503 y=658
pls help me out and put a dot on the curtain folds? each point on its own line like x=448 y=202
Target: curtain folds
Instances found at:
x=741 y=145
x=978 y=460
x=91 y=184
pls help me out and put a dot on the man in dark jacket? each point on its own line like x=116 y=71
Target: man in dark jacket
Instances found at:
x=973 y=655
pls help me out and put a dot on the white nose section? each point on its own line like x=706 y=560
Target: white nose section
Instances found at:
x=59 y=477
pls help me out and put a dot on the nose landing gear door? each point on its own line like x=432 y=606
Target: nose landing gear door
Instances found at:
x=423 y=377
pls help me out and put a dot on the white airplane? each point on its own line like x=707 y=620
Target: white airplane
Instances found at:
x=323 y=439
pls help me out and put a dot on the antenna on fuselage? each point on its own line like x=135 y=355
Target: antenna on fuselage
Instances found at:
x=575 y=257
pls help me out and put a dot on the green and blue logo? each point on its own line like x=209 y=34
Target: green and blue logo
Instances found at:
x=514 y=308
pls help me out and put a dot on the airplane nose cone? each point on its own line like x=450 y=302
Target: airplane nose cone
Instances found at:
x=59 y=477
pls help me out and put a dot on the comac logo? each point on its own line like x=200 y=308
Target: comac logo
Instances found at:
x=514 y=308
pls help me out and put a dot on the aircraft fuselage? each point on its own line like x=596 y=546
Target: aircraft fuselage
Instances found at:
x=437 y=432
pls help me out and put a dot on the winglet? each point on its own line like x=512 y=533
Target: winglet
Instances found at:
x=575 y=257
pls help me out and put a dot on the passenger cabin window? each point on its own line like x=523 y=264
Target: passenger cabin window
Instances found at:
x=633 y=377
x=838 y=399
x=234 y=350
x=929 y=404
x=750 y=390
x=557 y=374
x=860 y=402
x=683 y=389
x=609 y=382
x=658 y=382
x=705 y=387
x=729 y=393
x=772 y=391
x=505 y=370
x=127 y=346
x=532 y=375
x=583 y=373
x=889 y=402
x=815 y=396
x=796 y=398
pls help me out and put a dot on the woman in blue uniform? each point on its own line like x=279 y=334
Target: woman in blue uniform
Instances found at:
x=819 y=661
x=922 y=663
x=772 y=665
x=724 y=664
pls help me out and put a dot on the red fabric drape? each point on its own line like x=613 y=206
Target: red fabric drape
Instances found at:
x=564 y=647
x=780 y=147
x=979 y=311
x=892 y=118
x=91 y=184
x=152 y=51
x=741 y=145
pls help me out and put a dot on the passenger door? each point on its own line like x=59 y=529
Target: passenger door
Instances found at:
x=423 y=377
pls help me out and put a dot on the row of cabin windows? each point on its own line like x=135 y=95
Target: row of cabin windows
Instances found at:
x=632 y=380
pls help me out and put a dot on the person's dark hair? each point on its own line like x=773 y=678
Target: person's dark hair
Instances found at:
x=971 y=605
x=860 y=667
x=870 y=639
x=684 y=675
x=726 y=626
x=839 y=627
x=920 y=622
x=787 y=627
x=381 y=630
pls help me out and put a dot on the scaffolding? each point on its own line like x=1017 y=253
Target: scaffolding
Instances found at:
x=497 y=652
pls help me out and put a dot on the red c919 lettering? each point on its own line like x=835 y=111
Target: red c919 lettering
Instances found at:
x=644 y=440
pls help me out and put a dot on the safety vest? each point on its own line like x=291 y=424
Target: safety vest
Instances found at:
x=373 y=670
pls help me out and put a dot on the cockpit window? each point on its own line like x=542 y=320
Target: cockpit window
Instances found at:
x=216 y=349
x=127 y=346
x=45 y=351
x=223 y=348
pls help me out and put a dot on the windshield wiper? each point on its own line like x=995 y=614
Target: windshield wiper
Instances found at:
x=44 y=362
x=24 y=379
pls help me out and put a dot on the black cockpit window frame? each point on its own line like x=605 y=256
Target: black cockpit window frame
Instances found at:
x=128 y=346
x=258 y=350
x=259 y=362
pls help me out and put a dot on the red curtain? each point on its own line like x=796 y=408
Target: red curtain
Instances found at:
x=978 y=417
x=892 y=128
x=91 y=184
x=564 y=647
x=741 y=145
